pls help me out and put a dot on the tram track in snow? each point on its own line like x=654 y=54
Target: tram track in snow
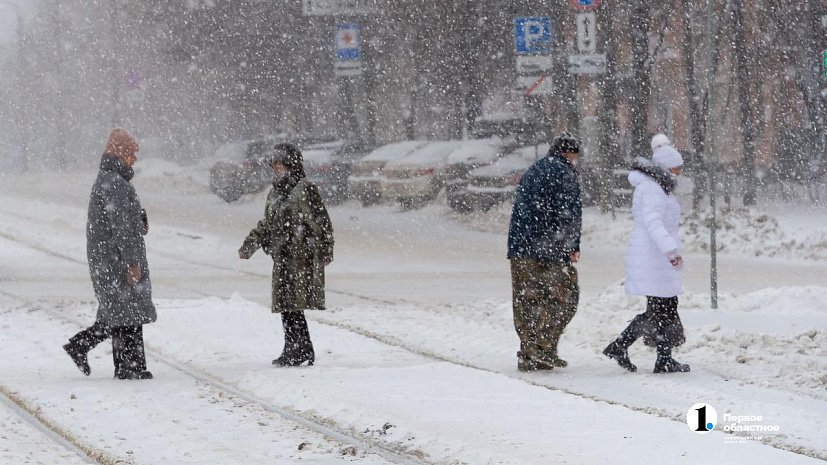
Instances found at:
x=393 y=342
x=328 y=428
x=49 y=430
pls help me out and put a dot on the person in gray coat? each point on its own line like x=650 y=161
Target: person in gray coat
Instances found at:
x=116 y=253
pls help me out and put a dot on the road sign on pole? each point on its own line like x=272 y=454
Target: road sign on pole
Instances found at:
x=586 y=32
x=534 y=85
x=585 y=5
x=824 y=55
x=338 y=7
x=532 y=35
x=532 y=47
x=587 y=64
x=348 y=50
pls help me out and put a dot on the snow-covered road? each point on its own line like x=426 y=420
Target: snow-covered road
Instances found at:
x=416 y=352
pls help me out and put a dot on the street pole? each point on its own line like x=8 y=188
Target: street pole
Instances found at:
x=22 y=130
x=710 y=137
x=116 y=97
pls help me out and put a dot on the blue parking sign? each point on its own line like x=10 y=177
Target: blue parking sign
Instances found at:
x=532 y=35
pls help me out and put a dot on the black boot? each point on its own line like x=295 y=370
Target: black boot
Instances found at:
x=79 y=356
x=295 y=358
x=666 y=364
x=528 y=363
x=298 y=348
x=620 y=354
x=124 y=373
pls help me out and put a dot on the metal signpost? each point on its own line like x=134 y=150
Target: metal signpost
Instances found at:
x=532 y=45
x=708 y=146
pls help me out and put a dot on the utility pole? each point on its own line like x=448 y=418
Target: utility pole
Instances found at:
x=607 y=87
x=708 y=147
x=20 y=119
x=60 y=104
x=116 y=91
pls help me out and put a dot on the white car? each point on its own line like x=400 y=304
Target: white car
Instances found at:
x=490 y=185
x=365 y=175
x=420 y=176
x=415 y=179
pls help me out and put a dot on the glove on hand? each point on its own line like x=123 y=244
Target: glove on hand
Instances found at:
x=245 y=252
x=675 y=259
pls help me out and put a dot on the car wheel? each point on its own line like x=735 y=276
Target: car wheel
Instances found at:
x=368 y=199
x=459 y=205
x=225 y=183
x=230 y=194
x=487 y=206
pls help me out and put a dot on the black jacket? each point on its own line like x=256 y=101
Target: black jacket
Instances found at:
x=546 y=220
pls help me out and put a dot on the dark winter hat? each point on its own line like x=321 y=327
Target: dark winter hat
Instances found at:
x=565 y=142
x=288 y=155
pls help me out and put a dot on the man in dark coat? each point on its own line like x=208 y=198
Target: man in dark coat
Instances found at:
x=543 y=244
x=297 y=233
x=116 y=253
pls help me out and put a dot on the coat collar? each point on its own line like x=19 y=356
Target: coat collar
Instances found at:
x=115 y=165
x=554 y=154
x=664 y=179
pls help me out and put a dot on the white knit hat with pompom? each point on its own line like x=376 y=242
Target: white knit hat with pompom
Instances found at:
x=660 y=140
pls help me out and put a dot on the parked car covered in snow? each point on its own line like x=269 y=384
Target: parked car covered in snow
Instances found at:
x=243 y=168
x=523 y=129
x=495 y=183
x=420 y=175
x=366 y=173
x=244 y=171
x=328 y=165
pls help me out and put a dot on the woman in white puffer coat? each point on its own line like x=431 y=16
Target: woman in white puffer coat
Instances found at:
x=653 y=259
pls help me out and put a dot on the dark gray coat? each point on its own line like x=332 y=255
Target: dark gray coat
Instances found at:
x=297 y=233
x=114 y=241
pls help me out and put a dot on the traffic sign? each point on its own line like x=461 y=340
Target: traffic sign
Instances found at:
x=134 y=79
x=348 y=50
x=586 y=32
x=338 y=7
x=825 y=63
x=347 y=42
x=585 y=5
x=534 y=65
x=587 y=64
x=532 y=35
x=534 y=85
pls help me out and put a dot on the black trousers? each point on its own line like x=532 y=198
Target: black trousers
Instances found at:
x=296 y=333
x=659 y=325
x=127 y=344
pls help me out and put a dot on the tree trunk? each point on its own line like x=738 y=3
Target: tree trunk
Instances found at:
x=642 y=72
x=748 y=132
x=608 y=117
x=696 y=164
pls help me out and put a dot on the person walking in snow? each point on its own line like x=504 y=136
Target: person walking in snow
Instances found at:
x=543 y=245
x=116 y=253
x=297 y=233
x=653 y=259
